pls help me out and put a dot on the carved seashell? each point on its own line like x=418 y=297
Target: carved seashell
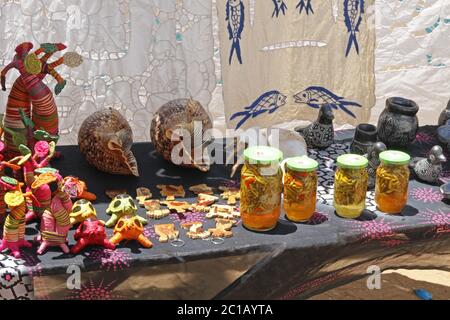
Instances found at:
x=105 y=139
x=175 y=117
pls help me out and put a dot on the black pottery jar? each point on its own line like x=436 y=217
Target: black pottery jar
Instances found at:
x=398 y=123
x=365 y=138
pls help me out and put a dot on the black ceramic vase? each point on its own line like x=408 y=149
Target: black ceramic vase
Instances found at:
x=445 y=115
x=365 y=138
x=398 y=123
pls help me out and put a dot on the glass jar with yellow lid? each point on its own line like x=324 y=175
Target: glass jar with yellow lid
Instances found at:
x=350 y=185
x=300 y=188
x=261 y=187
x=391 y=188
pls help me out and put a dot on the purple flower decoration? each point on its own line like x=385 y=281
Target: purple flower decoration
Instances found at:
x=92 y=291
x=188 y=217
x=318 y=218
x=375 y=230
x=110 y=259
x=439 y=219
x=425 y=138
x=149 y=231
x=426 y=195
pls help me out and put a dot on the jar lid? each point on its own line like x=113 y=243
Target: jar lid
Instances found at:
x=303 y=164
x=394 y=157
x=352 y=161
x=263 y=155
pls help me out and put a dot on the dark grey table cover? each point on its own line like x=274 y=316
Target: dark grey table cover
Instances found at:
x=301 y=259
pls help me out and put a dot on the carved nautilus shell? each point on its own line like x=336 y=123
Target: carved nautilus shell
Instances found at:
x=172 y=126
x=105 y=139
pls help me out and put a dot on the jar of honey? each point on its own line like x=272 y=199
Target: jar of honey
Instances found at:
x=300 y=188
x=261 y=187
x=391 y=187
x=350 y=185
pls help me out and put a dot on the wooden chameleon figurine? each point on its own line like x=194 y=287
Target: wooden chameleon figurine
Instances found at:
x=91 y=231
x=55 y=222
x=130 y=227
x=14 y=228
x=120 y=206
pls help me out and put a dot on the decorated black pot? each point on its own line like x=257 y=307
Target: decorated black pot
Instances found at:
x=398 y=123
x=445 y=115
x=365 y=138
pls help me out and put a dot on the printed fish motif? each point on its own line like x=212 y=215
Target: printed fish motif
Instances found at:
x=235 y=16
x=308 y=6
x=318 y=96
x=353 y=11
x=267 y=102
x=280 y=6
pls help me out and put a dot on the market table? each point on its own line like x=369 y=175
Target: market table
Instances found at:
x=291 y=261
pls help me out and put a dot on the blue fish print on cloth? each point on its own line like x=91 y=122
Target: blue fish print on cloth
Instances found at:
x=317 y=96
x=353 y=11
x=280 y=6
x=267 y=102
x=308 y=7
x=235 y=16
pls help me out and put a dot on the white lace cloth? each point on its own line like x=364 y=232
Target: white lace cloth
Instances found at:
x=139 y=54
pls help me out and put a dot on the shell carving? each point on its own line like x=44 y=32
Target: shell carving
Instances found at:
x=105 y=139
x=175 y=117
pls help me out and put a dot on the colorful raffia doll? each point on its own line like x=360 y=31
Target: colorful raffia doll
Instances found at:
x=32 y=166
x=14 y=228
x=30 y=94
x=55 y=222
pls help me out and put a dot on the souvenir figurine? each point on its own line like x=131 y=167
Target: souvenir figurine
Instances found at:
x=120 y=206
x=445 y=115
x=373 y=156
x=365 y=138
x=429 y=169
x=320 y=134
x=81 y=187
x=443 y=133
x=14 y=228
x=81 y=211
x=174 y=120
x=129 y=227
x=55 y=223
x=105 y=139
x=445 y=190
x=91 y=231
x=398 y=123
x=30 y=93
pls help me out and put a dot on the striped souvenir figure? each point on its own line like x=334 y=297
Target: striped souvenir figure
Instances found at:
x=30 y=95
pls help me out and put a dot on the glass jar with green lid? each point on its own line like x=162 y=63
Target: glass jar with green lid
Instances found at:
x=300 y=188
x=350 y=185
x=261 y=187
x=391 y=188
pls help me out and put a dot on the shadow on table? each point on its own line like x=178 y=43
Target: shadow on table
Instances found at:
x=409 y=211
x=283 y=228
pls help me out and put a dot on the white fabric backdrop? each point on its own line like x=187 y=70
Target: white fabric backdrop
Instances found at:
x=139 y=54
